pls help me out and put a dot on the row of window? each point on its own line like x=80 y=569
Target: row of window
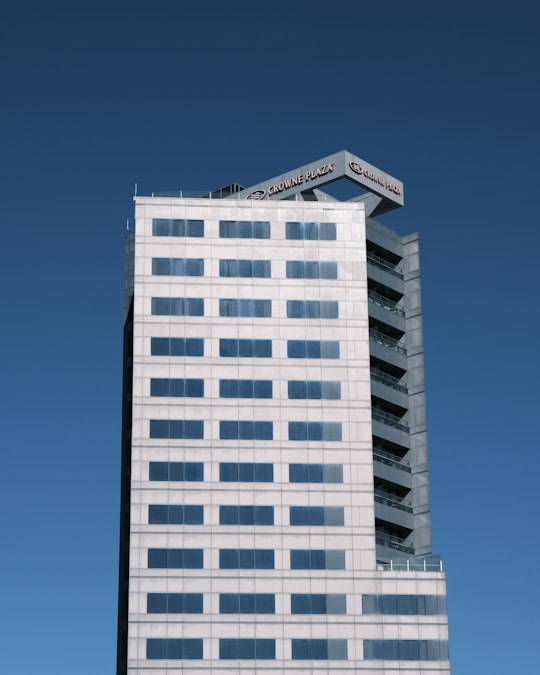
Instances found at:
x=259 y=269
x=301 y=649
x=235 y=307
x=246 y=472
x=183 y=514
x=242 y=229
x=246 y=431
x=296 y=349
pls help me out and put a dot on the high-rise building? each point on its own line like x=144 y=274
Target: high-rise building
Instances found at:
x=275 y=508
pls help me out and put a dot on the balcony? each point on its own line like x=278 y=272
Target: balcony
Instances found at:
x=431 y=564
x=389 y=419
x=388 y=380
x=390 y=541
x=382 y=264
x=386 y=341
x=391 y=460
x=393 y=500
x=386 y=303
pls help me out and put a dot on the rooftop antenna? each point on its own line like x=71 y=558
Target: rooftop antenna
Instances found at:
x=135 y=190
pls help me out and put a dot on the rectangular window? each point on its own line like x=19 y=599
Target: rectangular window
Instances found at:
x=315 y=389
x=169 y=514
x=312 y=309
x=246 y=559
x=406 y=650
x=177 y=346
x=178 y=267
x=298 y=269
x=244 y=229
x=312 y=349
x=248 y=472
x=246 y=515
x=177 y=471
x=246 y=431
x=178 y=306
x=305 y=559
x=247 y=603
x=245 y=388
x=318 y=603
x=260 y=269
x=419 y=605
x=314 y=231
x=174 y=603
x=163 y=386
x=177 y=227
x=315 y=473
x=174 y=648
x=175 y=558
x=316 y=516
x=247 y=648
x=192 y=429
x=315 y=431
x=319 y=649
x=245 y=308
x=245 y=348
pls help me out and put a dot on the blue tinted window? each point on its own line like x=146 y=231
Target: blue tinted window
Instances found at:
x=253 y=308
x=174 y=603
x=178 y=306
x=406 y=650
x=316 y=515
x=245 y=348
x=315 y=389
x=245 y=268
x=322 y=231
x=174 y=648
x=178 y=267
x=162 y=386
x=245 y=388
x=404 y=604
x=244 y=229
x=247 y=603
x=247 y=649
x=315 y=431
x=246 y=559
x=177 y=471
x=302 y=559
x=319 y=649
x=175 y=558
x=246 y=431
x=169 y=514
x=312 y=309
x=176 y=429
x=174 y=227
x=312 y=349
x=318 y=603
x=246 y=515
x=177 y=347
x=247 y=472
x=298 y=269
x=316 y=473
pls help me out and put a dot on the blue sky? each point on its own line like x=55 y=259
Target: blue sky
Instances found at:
x=97 y=97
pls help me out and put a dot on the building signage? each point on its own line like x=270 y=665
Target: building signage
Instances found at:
x=371 y=175
x=294 y=181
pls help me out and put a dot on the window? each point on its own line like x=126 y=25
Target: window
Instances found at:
x=178 y=306
x=161 y=386
x=305 y=559
x=316 y=515
x=315 y=431
x=169 y=514
x=246 y=515
x=316 y=473
x=177 y=346
x=315 y=389
x=248 y=348
x=422 y=605
x=406 y=650
x=246 y=559
x=174 y=603
x=245 y=268
x=246 y=431
x=178 y=267
x=174 y=648
x=321 y=231
x=318 y=603
x=319 y=649
x=174 y=227
x=245 y=388
x=175 y=558
x=252 y=472
x=298 y=269
x=312 y=349
x=312 y=309
x=177 y=471
x=176 y=429
x=247 y=648
x=247 y=603
x=253 y=308
x=244 y=229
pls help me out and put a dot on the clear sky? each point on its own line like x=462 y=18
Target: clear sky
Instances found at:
x=96 y=97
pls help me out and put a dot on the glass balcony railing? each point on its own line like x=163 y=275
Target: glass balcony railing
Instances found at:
x=386 y=341
x=389 y=541
x=386 y=303
x=383 y=264
x=389 y=419
x=388 y=380
x=391 y=460
x=392 y=500
x=432 y=564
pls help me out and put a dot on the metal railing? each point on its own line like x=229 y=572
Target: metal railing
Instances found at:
x=411 y=565
x=392 y=500
x=389 y=419
x=388 y=380
x=386 y=303
x=390 y=460
x=383 y=264
x=386 y=341
x=392 y=542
